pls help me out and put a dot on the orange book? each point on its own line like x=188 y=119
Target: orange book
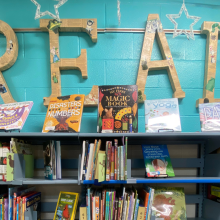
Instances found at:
x=64 y=114
x=144 y=196
x=96 y=208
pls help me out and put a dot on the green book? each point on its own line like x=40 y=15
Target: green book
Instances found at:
x=10 y=167
x=29 y=166
x=169 y=203
x=101 y=166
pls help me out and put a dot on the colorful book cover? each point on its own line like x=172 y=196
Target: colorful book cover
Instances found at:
x=64 y=114
x=118 y=109
x=14 y=115
x=19 y=147
x=169 y=202
x=162 y=115
x=35 y=201
x=96 y=208
x=66 y=206
x=213 y=193
x=48 y=160
x=101 y=166
x=10 y=167
x=157 y=161
x=210 y=116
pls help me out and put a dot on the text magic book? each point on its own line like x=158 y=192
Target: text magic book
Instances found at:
x=118 y=109
x=64 y=114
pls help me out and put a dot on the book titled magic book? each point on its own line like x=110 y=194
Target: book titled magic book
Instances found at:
x=118 y=109
x=64 y=114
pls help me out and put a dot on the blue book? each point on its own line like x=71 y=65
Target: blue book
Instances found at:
x=88 y=207
x=0 y=211
x=136 y=209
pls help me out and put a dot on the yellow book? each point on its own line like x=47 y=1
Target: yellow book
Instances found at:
x=66 y=206
x=64 y=114
x=141 y=211
x=83 y=213
x=96 y=160
x=127 y=208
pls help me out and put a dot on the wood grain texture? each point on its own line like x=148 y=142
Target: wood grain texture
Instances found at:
x=8 y=59
x=167 y=63
x=67 y=25
x=211 y=29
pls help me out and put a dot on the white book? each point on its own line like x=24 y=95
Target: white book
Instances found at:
x=90 y=160
x=132 y=208
x=124 y=210
x=58 y=151
x=162 y=115
x=82 y=159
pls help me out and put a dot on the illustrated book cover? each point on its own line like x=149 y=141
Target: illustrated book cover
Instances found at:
x=169 y=203
x=162 y=115
x=4 y=150
x=14 y=115
x=66 y=206
x=209 y=116
x=118 y=109
x=157 y=161
x=10 y=167
x=64 y=114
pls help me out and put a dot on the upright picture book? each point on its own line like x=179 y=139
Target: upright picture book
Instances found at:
x=209 y=116
x=162 y=115
x=66 y=206
x=118 y=109
x=157 y=161
x=64 y=114
x=14 y=115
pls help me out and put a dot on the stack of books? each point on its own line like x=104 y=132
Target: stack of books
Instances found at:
x=132 y=204
x=52 y=160
x=104 y=165
x=15 y=201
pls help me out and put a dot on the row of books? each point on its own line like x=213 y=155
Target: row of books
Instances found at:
x=7 y=162
x=16 y=201
x=117 y=113
x=134 y=204
x=52 y=160
x=107 y=164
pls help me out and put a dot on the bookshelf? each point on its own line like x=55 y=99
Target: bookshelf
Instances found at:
x=206 y=163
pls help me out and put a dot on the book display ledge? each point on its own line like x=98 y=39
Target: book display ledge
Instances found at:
x=208 y=168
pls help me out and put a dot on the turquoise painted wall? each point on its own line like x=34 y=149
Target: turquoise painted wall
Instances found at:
x=114 y=59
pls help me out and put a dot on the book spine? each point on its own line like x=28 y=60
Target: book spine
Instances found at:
x=119 y=209
x=14 y=206
x=17 y=217
x=141 y=211
x=10 y=207
x=93 y=208
x=151 y=203
x=126 y=155
x=112 y=162
x=104 y=203
x=0 y=209
x=82 y=160
x=54 y=159
x=83 y=215
x=87 y=160
x=93 y=160
x=3 y=209
x=124 y=211
x=108 y=162
x=101 y=211
x=107 y=206
x=116 y=158
x=132 y=209
x=20 y=209
x=122 y=207
x=122 y=163
x=114 y=205
x=136 y=209
x=6 y=209
x=88 y=207
x=128 y=205
x=96 y=208
x=119 y=163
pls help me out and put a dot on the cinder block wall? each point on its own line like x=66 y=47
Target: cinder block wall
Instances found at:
x=114 y=59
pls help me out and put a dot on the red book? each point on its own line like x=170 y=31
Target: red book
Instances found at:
x=116 y=158
x=108 y=170
x=112 y=162
x=119 y=209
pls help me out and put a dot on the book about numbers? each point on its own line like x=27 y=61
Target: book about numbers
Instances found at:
x=118 y=109
x=64 y=114
x=66 y=206
x=14 y=115
x=209 y=116
x=162 y=115
x=157 y=161
x=169 y=203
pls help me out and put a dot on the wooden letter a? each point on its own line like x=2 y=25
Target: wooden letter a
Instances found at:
x=154 y=25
